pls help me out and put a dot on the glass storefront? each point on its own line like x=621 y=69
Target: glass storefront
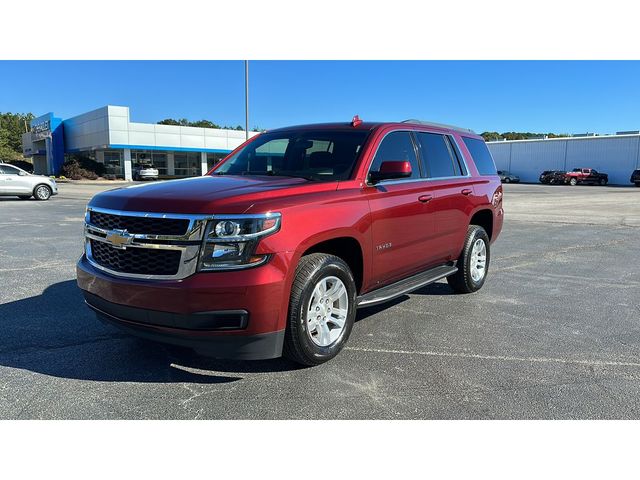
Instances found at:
x=214 y=159
x=113 y=164
x=187 y=164
x=159 y=159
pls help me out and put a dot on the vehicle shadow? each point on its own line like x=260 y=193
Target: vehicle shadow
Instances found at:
x=56 y=334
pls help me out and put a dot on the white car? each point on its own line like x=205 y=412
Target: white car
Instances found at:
x=16 y=182
x=145 y=172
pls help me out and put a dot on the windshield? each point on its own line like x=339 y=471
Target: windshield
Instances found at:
x=322 y=155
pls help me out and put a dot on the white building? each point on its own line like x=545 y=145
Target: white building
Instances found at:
x=617 y=155
x=108 y=136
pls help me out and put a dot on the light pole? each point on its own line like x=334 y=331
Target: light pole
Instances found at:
x=246 y=99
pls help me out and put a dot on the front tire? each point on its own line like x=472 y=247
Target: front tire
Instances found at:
x=603 y=182
x=506 y=180
x=322 y=309
x=473 y=263
x=42 y=192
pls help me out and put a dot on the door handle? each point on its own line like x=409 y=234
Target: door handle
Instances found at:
x=425 y=198
x=467 y=191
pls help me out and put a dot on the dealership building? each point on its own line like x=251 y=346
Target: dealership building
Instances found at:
x=107 y=135
x=617 y=155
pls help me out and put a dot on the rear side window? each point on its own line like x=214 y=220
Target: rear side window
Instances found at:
x=437 y=155
x=397 y=147
x=481 y=156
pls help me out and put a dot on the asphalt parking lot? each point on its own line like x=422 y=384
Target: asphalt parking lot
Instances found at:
x=555 y=332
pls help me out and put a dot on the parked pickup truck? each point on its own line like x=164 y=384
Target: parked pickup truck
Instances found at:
x=586 y=175
x=635 y=178
x=277 y=246
x=553 y=177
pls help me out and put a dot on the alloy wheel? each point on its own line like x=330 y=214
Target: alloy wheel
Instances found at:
x=478 y=260
x=327 y=311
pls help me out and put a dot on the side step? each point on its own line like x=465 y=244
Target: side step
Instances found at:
x=405 y=286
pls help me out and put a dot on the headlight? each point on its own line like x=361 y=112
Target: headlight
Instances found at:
x=230 y=241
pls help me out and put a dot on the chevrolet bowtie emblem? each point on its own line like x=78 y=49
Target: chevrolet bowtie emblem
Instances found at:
x=119 y=238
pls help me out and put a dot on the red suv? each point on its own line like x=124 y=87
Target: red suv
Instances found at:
x=275 y=248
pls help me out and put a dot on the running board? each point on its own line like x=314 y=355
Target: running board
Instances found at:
x=405 y=286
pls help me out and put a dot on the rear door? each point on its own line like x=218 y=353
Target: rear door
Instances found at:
x=453 y=194
x=401 y=213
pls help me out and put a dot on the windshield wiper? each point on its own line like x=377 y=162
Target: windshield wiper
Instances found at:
x=306 y=177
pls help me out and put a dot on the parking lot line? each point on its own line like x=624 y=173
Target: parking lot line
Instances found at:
x=506 y=358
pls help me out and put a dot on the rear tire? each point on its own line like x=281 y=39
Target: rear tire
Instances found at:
x=309 y=338
x=573 y=182
x=473 y=263
x=42 y=192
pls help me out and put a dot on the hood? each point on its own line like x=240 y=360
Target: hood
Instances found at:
x=206 y=194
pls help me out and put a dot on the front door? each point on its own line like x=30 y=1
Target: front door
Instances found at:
x=401 y=215
x=13 y=182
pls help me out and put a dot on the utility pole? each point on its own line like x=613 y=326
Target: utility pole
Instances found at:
x=246 y=99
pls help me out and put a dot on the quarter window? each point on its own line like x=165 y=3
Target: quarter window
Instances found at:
x=437 y=155
x=397 y=147
x=481 y=156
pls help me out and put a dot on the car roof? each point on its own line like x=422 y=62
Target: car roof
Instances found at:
x=373 y=125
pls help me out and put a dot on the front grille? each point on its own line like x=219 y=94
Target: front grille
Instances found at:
x=140 y=261
x=143 y=225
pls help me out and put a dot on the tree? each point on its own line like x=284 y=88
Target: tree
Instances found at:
x=168 y=121
x=204 y=124
x=12 y=126
x=495 y=136
x=491 y=136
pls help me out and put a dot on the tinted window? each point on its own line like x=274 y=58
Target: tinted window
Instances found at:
x=458 y=156
x=323 y=155
x=7 y=170
x=397 y=147
x=437 y=156
x=481 y=156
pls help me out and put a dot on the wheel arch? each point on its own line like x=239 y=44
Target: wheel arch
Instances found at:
x=347 y=247
x=484 y=219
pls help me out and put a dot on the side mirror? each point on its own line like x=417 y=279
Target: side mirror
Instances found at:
x=391 y=169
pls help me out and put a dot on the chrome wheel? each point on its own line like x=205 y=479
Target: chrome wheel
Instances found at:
x=478 y=260
x=327 y=311
x=43 y=193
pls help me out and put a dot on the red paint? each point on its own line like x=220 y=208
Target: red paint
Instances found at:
x=401 y=227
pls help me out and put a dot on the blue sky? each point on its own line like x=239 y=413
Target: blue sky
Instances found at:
x=537 y=96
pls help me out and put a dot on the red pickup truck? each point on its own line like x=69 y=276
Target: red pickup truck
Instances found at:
x=274 y=249
x=586 y=175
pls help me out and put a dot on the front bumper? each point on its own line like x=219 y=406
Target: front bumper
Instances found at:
x=147 y=175
x=239 y=314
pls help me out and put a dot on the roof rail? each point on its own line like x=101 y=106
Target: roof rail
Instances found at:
x=440 y=125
